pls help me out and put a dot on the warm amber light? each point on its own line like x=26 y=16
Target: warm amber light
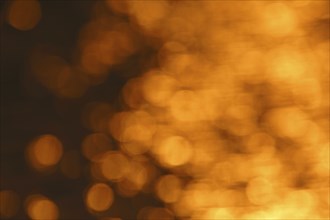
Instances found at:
x=45 y=151
x=260 y=191
x=174 y=151
x=94 y=145
x=99 y=197
x=24 y=15
x=158 y=88
x=168 y=188
x=288 y=122
x=278 y=20
x=40 y=207
x=114 y=165
x=201 y=110
x=148 y=14
x=185 y=106
x=134 y=126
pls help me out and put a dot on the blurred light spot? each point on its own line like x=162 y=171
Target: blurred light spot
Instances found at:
x=135 y=148
x=137 y=179
x=40 y=207
x=259 y=142
x=174 y=151
x=308 y=93
x=9 y=203
x=137 y=175
x=148 y=14
x=114 y=165
x=322 y=159
x=96 y=171
x=218 y=213
x=199 y=194
x=91 y=63
x=178 y=63
x=102 y=47
x=301 y=200
x=185 y=106
x=168 y=188
x=24 y=15
x=94 y=145
x=132 y=93
x=288 y=122
x=158 y=88
x=118 y=6
x=240 y=112
x=70 y=83
x=278 y=19
x=136 y=126
x=168 y=50
x=45 y=151
x=287 y=65
x=126 y=188
x=260 y=191
x=210 y=99
x=99 y=197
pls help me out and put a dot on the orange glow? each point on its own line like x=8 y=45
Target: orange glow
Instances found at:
x=184 y=106
x=158 y=88
x=40 y=207
x=114 y=165
x=190 y=109
x=168 y=188
x=135 y=126
x=148 y=14
x=24 y=15
x=136 y=179
x=118 y=6
x=45 y=151
x=278 y=20
x=91 y=63
x=99 y=197
x=135 y=148
x=102 y=47
x=288 y=65
x=96 y=171
x=218 y=213
x=288 y=122
x=260 y=191
x=259 y=142
x=174 y=151
x=94 y=145
x=9 y=203
x=132 y=93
